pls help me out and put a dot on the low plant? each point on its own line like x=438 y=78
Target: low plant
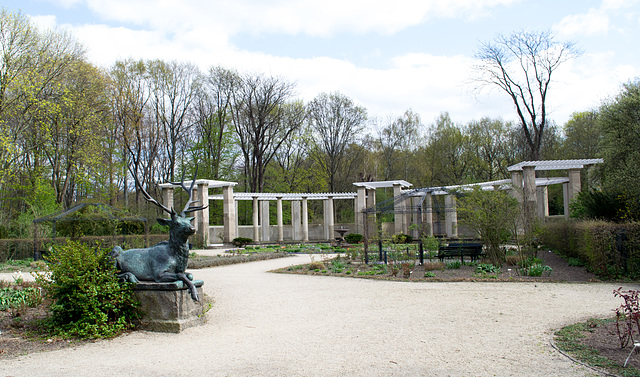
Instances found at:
x=454 y=265
x=353 y=237
x=380 y=269
x=401 y=238
x=88 y=300
x=430 y=266
x=429 y=274
x=487 y=268
x=627 y=316
x=241 y=241
x=575 y=262
x=337 y=266
x=536 y=269
x=407 y=269
x=314 y=265
x=18 y=297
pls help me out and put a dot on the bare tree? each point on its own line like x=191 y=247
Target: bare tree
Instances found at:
x=522 y=64
x=173 y=89
x=336 y=122
x=262 y=122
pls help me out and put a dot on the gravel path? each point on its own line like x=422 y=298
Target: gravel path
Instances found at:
x=291 y=325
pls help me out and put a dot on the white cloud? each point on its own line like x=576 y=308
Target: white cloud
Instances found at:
x=292 y=17
x=44 y=22
x=594 y=22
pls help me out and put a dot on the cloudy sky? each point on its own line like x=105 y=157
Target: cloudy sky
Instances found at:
x=388 y=56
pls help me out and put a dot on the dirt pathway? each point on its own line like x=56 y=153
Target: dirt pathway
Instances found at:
x=287 y=325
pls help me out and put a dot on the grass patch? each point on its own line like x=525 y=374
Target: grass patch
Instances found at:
x=569 y=340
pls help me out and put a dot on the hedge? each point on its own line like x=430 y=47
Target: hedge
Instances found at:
x=15 y=249
x=609 y=250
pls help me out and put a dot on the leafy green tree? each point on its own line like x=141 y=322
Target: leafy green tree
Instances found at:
x=619 y=121
x=397 y=142
x=493 y=215
x=582 y=135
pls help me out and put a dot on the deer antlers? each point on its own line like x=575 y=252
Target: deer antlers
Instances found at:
x=188 y=208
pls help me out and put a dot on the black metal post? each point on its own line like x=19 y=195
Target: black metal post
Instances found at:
x=380 y=247
x=421 y=253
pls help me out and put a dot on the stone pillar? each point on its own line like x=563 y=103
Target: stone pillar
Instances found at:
x=516 y=183
x=202 y=216
x=416 y=212
x=542 y=194
x=530 y=199
x=329 y=219
x=264 y=221
x=451 y=216
x=256 y=225
x=279 y=217
x=428 y=212
x=195 y=195
x=371 y=203
x=565 y=200
x=398 y=209
x=167 y=197
x=305 y=221
x=575 y=185
x=230 y=217
x=360 y=205
x=295 y=220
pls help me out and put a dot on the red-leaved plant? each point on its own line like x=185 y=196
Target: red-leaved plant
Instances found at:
x=627 y=316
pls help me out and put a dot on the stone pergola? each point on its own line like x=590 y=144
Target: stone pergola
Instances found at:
x=410 y=206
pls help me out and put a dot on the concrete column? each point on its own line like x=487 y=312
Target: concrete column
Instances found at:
x=195 y=196
x=360 y=205
x=398 y=209
x=575 y=185
x=516 y=183
x=279 y=217
x=451 y=216
x=305 y=221
x=565 y=200
x=295 y=220
x=264 y=221
x=256 y=225
x=530 y=199
x=371 y=203
x=416 y=212
x=230 y=217
x=329 y=219
x=542 y=194
x=167 y=197
x=202 y=216
x=428 y=213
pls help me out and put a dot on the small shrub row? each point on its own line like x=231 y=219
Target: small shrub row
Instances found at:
x=13 y=249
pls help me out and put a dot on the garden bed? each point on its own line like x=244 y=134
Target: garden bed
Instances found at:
x=451 y=270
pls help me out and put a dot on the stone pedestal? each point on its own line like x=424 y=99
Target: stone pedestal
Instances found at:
x=168 y=307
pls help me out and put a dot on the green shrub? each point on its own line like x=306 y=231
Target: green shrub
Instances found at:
x=241 y=241
x=454 y=265
x=353 y=237
x=88 y=300
x=609 y=250
x=401 y=238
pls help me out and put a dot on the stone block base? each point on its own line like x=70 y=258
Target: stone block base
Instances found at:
x=168 y=307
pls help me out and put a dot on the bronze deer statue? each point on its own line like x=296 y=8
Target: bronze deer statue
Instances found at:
x=166 y=261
